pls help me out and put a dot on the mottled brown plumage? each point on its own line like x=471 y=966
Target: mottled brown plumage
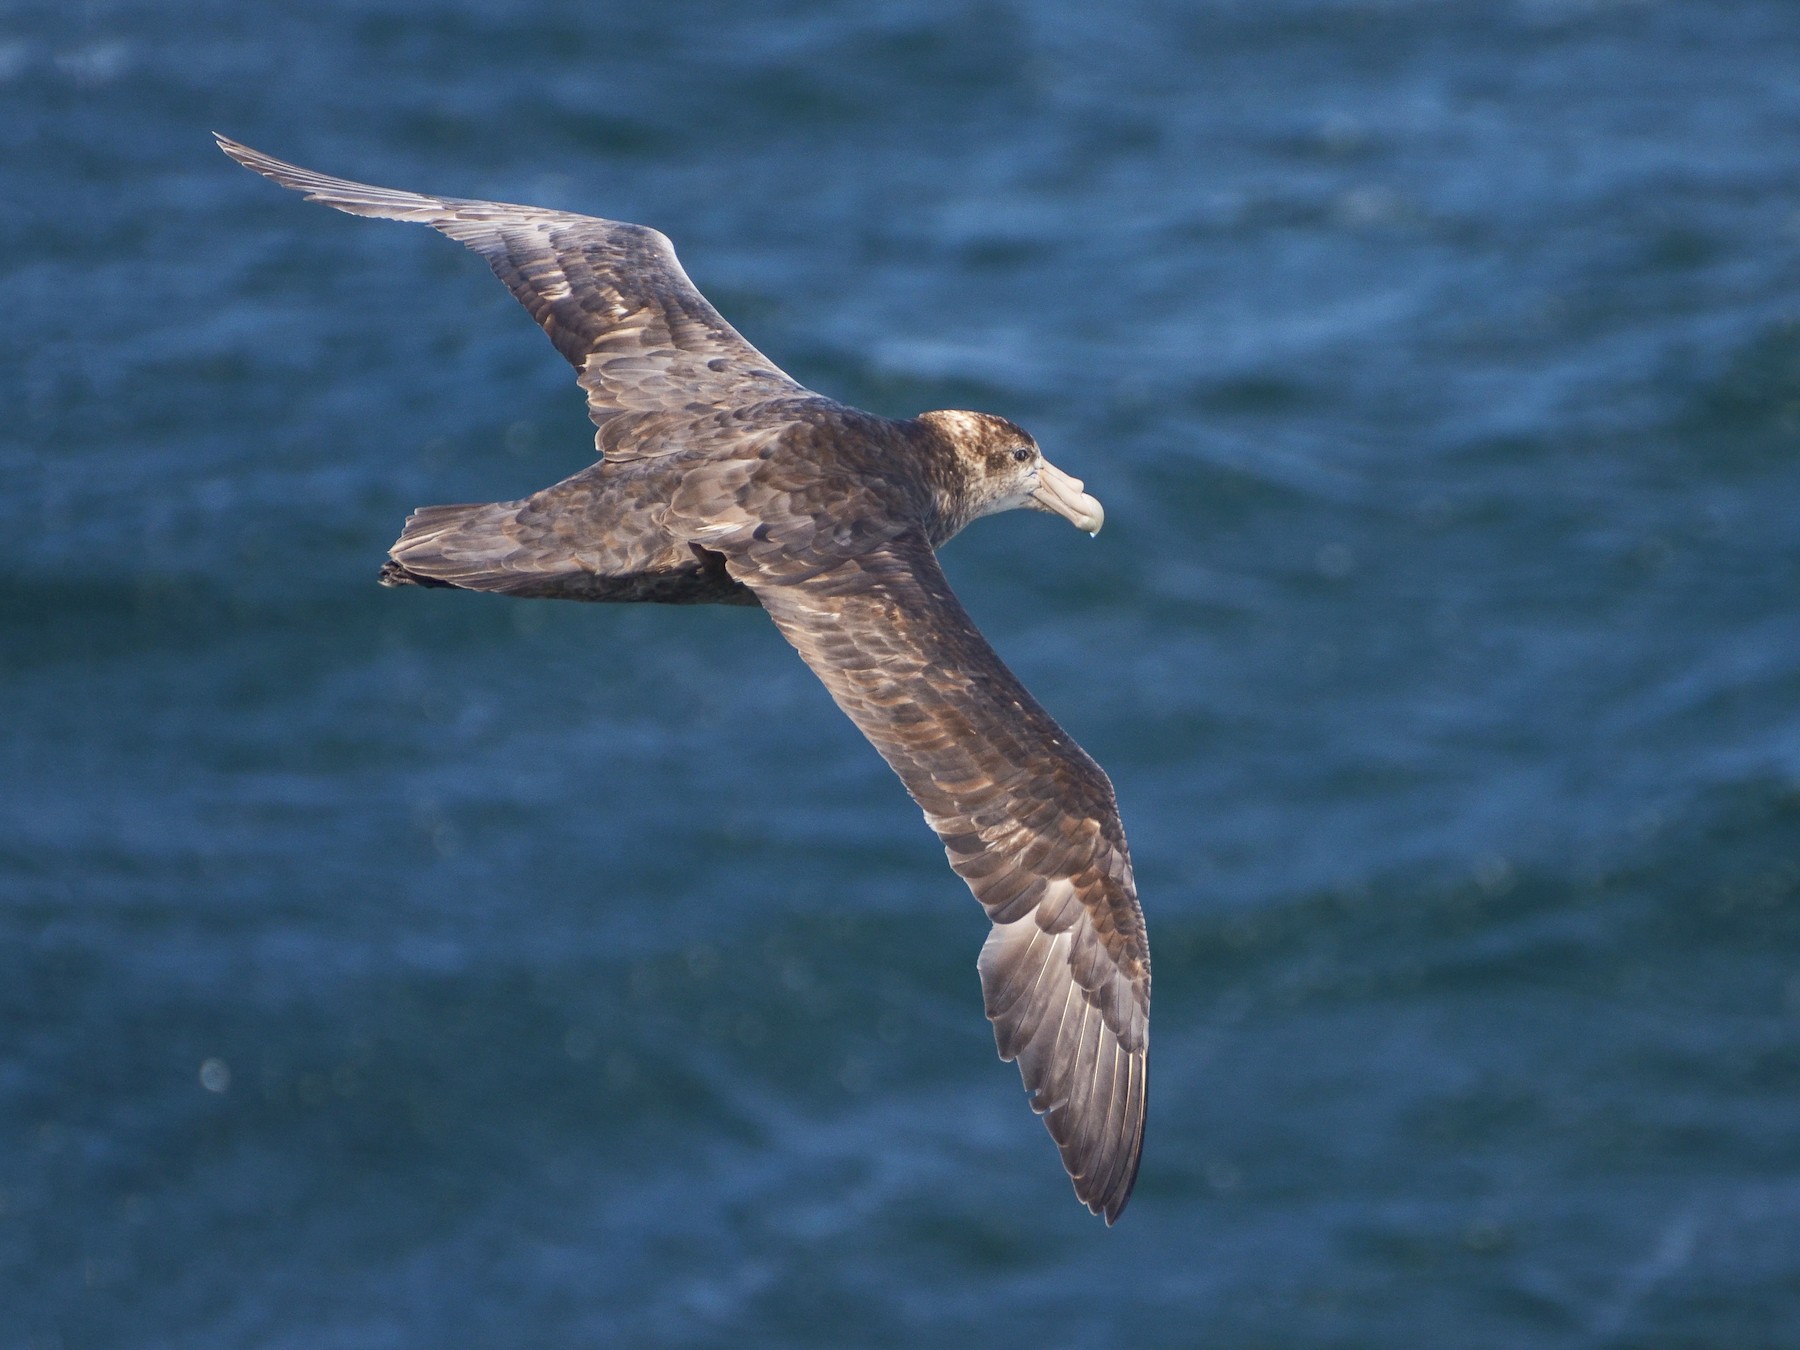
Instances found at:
x=722 y=480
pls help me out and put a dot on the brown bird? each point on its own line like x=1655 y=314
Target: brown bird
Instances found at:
x=723 y=480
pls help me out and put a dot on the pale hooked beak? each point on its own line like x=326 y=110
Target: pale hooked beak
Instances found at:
x=1057 y=491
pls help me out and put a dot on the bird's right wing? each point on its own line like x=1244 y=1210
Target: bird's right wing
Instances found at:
x=611 y=296
x=1028 y=820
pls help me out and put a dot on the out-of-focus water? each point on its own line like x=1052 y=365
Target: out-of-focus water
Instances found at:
x=424 y=969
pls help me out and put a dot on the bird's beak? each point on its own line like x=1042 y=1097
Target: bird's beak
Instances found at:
x=1058 y=492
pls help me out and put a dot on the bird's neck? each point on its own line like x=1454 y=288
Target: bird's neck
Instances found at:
x=945 y=475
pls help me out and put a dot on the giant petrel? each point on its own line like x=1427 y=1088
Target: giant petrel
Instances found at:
x=723 y=480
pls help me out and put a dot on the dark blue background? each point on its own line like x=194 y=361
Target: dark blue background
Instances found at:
x=423 y=969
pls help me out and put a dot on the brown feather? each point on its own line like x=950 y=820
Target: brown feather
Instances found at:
x=611 y=296
x=725 y=481
x=884 y=632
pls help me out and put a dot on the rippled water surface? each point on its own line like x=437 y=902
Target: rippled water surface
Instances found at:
x=424 y=969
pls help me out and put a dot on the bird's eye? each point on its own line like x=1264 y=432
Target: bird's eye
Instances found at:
x=1021 y=455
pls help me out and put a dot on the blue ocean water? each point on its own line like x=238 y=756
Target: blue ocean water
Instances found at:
x=427 y=969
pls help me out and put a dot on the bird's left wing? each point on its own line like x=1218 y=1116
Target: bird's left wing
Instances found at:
x=1028 y=820
x=611 y=295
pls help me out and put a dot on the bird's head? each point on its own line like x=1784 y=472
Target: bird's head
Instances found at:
x=1003 y=469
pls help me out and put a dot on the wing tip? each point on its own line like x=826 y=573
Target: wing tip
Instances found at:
x=1103 y=1165
x=1105 y=1190
x=357 y=199
x=275 y=170
x=255 y=160
x=1108 y=1202
x=242 y=153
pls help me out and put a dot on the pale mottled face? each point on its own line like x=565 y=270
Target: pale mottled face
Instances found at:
x=1008 y=471
x=1005 y=463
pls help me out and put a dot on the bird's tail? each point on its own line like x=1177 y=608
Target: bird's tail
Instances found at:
x=463 y=546
x=530 y=548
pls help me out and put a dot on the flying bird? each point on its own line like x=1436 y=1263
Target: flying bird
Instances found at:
x=723 y=480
